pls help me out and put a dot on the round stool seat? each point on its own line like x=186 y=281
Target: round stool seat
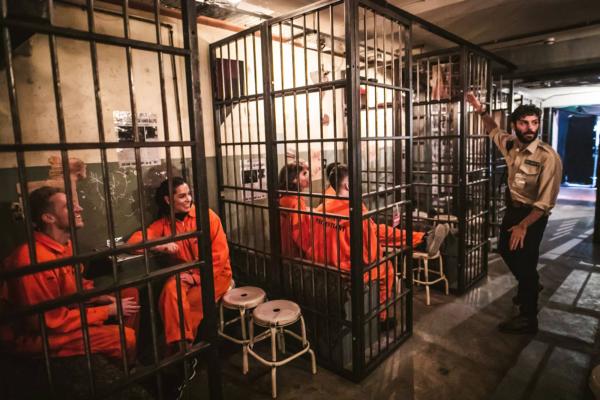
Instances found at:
x=422 y=255
x=447 y=218
x=595 y=382
x=244 y=297
x=277 y=313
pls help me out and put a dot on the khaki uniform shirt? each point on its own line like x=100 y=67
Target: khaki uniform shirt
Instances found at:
x=534 y=173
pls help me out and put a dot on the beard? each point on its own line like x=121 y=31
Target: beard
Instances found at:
x=523 y=138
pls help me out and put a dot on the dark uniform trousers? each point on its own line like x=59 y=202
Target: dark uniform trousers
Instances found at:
x=523 y=262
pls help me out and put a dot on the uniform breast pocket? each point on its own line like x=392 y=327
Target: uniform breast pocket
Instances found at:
x=526 y=179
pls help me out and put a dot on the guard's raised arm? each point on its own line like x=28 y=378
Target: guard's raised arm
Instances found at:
x=488 y=122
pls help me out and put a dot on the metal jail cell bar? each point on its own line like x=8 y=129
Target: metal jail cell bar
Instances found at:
x=451 y=157
x=304 y=78
x=195 y=146
x=501 y=107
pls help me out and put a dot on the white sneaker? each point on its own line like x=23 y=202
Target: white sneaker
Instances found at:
x=439 y=234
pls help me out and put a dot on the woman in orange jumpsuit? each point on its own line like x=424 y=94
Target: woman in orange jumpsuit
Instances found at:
x=64 y=324
x=295 y=226
x=183 y=251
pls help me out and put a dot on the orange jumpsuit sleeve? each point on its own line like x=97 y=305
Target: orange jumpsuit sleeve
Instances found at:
x=391 y=236
x=220 y=249
x=154 y=231
x=45 y=286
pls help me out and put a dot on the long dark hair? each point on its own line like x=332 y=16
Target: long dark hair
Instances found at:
x=330 y=168
x=288 y=176
x=162 y=191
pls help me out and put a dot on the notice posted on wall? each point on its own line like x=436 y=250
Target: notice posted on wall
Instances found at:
x=147 y=129
x=254 y=177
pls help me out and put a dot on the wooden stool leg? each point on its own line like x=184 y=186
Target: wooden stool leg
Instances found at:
x=274 y=359
x=426 y=267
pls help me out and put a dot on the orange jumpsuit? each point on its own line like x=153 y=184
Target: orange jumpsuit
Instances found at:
x=295 y=227
x=65 y=336
x=335 y=251
x=191 y=297
x=330 y=191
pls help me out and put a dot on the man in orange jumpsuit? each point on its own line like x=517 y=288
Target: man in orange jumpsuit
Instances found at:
x=183 y=251
x=332 y=238
x=64 y=324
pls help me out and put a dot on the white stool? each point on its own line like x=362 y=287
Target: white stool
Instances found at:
x=241 y=299
x=424 y=258
x=276 y=315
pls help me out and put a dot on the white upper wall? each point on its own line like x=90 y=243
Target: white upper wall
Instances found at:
x=33 y=80
x=566 y=96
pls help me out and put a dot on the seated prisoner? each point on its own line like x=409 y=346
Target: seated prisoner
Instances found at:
x=332 y=238
x=50 y=216
x=387 y=235
x=183 y=251
x=295 y=226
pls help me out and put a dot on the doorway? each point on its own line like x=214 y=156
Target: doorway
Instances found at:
x=578 y=141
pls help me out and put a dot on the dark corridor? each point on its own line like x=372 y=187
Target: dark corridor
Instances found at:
x=579 y=149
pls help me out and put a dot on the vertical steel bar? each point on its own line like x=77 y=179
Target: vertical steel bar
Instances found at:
x=462 y=160
x=192 y=69
x=271 y=153
x=408 y=173
x=354 y=166
x=172 y=58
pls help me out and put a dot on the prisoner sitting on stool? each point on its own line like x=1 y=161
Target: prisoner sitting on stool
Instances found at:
x=534 y=175
x=388 y=235
x=295 y=226
x=183 y=251
x=332 y=239
x=50 y=216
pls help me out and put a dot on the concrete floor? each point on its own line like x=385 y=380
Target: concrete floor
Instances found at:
x=456 y=351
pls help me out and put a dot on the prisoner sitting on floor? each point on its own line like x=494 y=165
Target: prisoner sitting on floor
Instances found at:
x=182 y=251
x=52 y=237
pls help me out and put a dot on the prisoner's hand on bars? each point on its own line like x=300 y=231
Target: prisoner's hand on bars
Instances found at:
x=169 y=248
x=472 y=100
x=128 y=305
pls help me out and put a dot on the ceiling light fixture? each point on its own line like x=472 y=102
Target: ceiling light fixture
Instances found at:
x=550 y=41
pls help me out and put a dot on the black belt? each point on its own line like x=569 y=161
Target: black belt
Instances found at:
x=518 y=204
